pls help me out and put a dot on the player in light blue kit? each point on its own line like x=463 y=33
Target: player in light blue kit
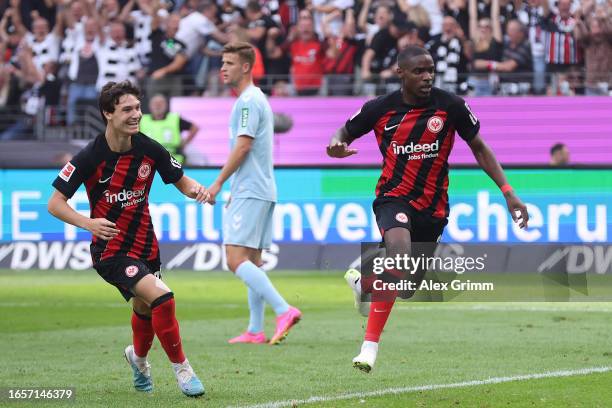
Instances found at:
x=247 y=223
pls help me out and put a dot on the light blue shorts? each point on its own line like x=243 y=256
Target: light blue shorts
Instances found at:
x=248 y=223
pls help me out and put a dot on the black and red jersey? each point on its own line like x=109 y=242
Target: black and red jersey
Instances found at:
x=118 y=187
x=415 y=142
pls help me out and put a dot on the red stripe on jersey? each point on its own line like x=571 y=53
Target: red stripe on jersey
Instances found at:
x=379 y=129
x=140 y=239
x=400 y=137
x=551 y=53
x=431 y=186
x=123 y=221
x=409 y=178
x=567 y=58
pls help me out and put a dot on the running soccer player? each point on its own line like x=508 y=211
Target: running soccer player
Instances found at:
x=415 y=130
x=247 y=223
x=117 y=168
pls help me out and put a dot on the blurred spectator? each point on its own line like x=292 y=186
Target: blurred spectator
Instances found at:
x=340 y=56
x=486 y=35
x=43 y=43
x=594 y=33
x=258 y=25
x=166 y=127
x=419 y=16
x=141 y=20
x=10 y=35
x=330 y=11
x=448 y=52
x=168 y=57
x=559 y=155
x=278 y=63
x=272 y=8
x=432 y=8
x=35 y=66
x=383 y=16
x=194 y=29
x=380 y=57
x=569 y=83
x=306 y=57
x=561 y=48
x=532 y=13
x=516 y=66
x=72 y=22
x=186 y=7
x=117 y=60
x=29 y=10
x=458 y=9
x=109 y=10
x=507 y=10
x=83 y=69
x=229 y=13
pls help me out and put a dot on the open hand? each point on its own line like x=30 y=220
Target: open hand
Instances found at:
x=340 y=150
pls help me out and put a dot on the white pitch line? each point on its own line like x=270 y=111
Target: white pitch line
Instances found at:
x=430 y=387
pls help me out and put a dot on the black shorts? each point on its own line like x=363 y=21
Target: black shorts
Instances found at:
x=394 y=212
x=124 y=272
x=425 y=233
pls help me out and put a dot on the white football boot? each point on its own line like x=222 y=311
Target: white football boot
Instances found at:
x=353 y=278
x=366 y=359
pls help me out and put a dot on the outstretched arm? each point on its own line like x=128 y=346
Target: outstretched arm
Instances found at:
x=339 y=144
x=99 y=227
x=192 y=189
x=236 y=157
x=488 y=162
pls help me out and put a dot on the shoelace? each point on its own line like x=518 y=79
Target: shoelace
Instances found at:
x=145 y=368
x=184 y=374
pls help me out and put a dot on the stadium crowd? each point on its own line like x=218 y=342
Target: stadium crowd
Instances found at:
x=61 y=52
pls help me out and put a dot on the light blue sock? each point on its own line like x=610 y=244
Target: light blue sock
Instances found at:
x=257 y=280
x=256 y=310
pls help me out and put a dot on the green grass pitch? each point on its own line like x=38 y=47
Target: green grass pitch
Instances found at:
x=69 y=329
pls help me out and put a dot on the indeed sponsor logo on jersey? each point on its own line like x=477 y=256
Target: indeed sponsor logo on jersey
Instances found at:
x=127 y=198
x=417 y=151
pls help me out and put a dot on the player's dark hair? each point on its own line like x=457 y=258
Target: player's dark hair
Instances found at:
x=112 y=92
x=245 y=52
x=409 y=52
x=556 y=148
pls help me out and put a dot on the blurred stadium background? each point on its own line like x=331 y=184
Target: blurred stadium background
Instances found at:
x=537 y=73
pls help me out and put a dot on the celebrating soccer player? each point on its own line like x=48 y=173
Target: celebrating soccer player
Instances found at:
x=415 y=130
x=117 y=168
x=247 y=224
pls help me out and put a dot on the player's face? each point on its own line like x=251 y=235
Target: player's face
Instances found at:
x=126 y=117
x=417 y=75
x=232 y=69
